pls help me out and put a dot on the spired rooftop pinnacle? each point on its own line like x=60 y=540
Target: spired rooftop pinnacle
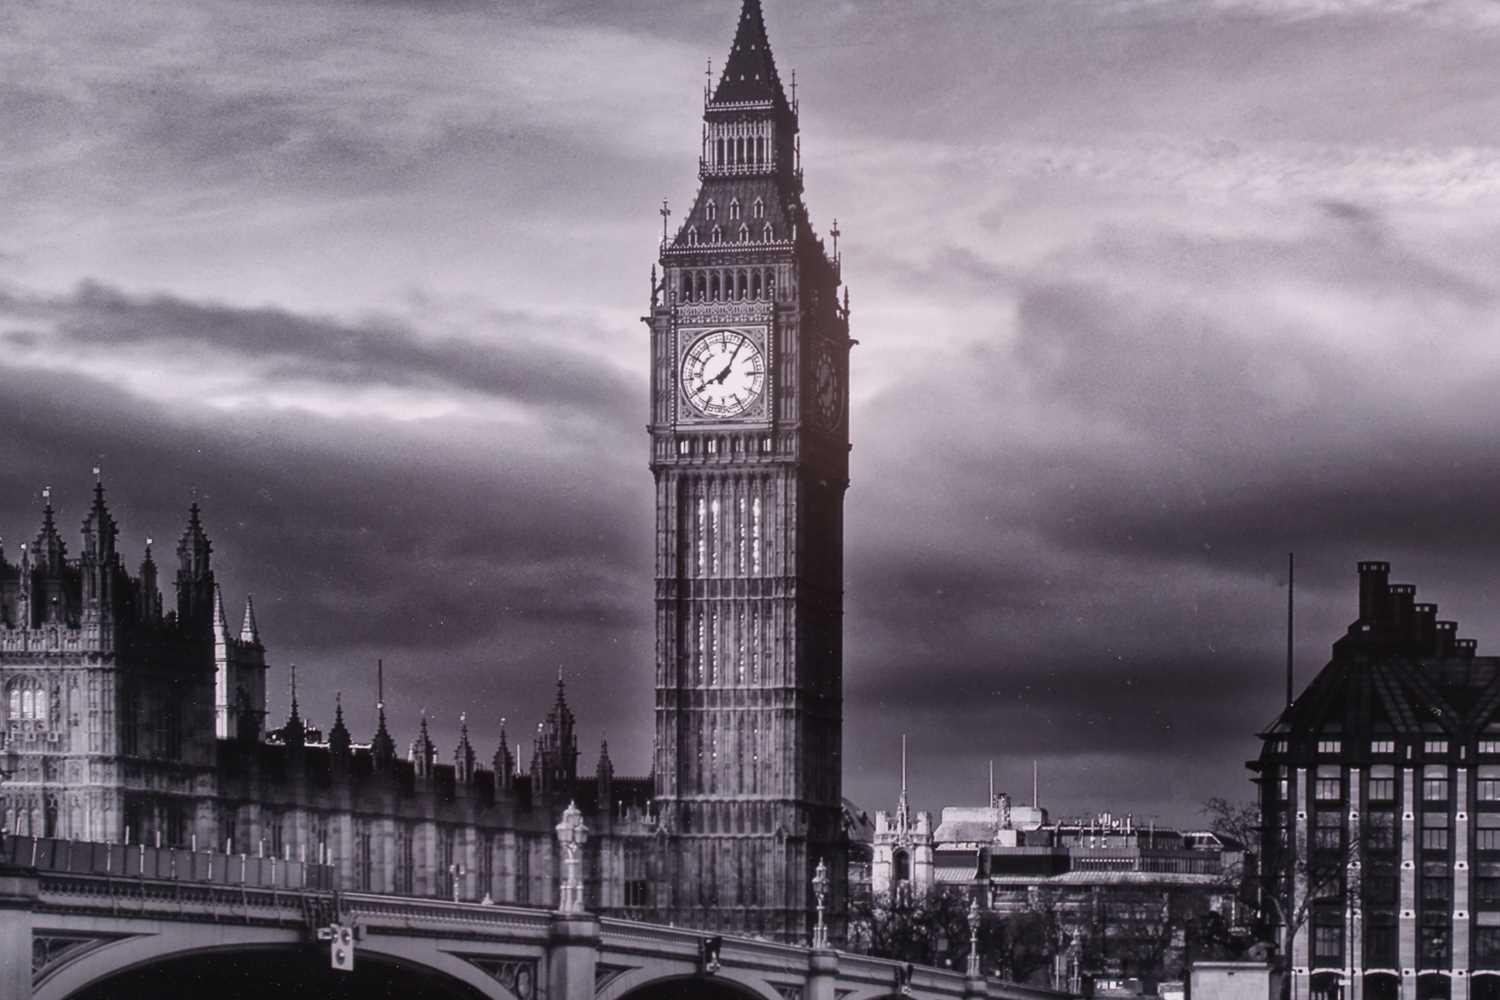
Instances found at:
x=750 y=72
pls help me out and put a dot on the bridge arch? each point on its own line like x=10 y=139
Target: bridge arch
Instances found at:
x=651 y=984
x=235 y=963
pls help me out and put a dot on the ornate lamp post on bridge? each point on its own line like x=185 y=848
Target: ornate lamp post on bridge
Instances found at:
x=820 y=893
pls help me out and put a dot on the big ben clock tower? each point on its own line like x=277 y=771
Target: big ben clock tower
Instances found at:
x=750 y=451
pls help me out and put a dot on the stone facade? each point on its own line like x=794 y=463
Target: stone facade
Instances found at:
x=124 y=723
x=750 y=441
x=1385 y=770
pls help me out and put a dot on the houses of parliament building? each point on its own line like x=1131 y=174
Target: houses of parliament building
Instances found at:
x=133 y=709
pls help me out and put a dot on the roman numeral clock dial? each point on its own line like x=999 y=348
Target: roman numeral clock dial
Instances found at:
x=723 y=374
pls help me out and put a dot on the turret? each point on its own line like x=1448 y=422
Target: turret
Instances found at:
x=295 y=731
x=338 y=737
x=382 y=747
x=99 y=564
x=249 y=630
x=423 y=754
x=505 y=765
x=195 y=578
x=463 y=755
x=147 y=591
x=49 y=569
x=604 y=777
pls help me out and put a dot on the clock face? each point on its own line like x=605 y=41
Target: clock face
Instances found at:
x=828 y=390
x=723 y=373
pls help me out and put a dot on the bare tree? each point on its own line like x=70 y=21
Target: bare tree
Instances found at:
x=1281 y=881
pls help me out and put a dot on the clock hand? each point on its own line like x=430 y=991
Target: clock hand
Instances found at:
x=730 y=366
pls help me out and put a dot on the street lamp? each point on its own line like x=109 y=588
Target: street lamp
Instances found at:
x=973 y=918
x=456 y=872
x=820 y=893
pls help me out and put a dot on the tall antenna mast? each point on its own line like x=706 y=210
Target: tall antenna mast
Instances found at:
x=1036 y=795
x=380 y=683
x=1291 y=590
x=992 y=783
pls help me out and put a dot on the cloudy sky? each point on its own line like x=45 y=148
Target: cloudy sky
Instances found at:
x=1149 y=293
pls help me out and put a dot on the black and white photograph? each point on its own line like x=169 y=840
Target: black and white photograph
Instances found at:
x=750 y=499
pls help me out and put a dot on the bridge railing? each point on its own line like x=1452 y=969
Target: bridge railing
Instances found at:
x=179 y=864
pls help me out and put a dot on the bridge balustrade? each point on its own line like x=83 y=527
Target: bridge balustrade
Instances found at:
x=173 y=864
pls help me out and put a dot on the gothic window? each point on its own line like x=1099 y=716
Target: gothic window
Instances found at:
x=742 y=283
x=719 y=148
x=755 y=283
x=713 y=646
x=692 y=236
x=755 y=537
x=702 y=540
x=447 y=861
x=740 y=540
x=900 y=867
x=717 y=236
x=713 y=279
x=758 y=209
x=711 y=211
x=760 y=149
x=734 y=210
x=363 y=871
x=714 y=533
x=405 y=860
x=744 y=234
x=274 y=828
x=768 y=234
x=702 y=282
x=687 y=287
x=487 y=863
x=27 y=701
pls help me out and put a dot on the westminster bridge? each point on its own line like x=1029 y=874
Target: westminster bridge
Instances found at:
x=92 y=921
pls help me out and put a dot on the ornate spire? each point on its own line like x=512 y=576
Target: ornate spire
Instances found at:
x=48 y=551
x=423 y=753
x=99 y=530
x=903 y=806
x=338 y=736
x=382 y=747
x=295 y=733
x=505 y=763
x=750 y=71
x=604 y=774
x=194 y=572
x=221 y=631
x=249 y=631
x=463 y=754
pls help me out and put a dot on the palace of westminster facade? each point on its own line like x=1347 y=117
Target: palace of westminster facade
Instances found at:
x=127 y=719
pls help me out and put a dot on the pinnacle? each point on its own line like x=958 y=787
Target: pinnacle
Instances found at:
x=249 y=630
x=750 y=71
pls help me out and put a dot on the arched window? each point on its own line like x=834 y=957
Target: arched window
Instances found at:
x=755 y=284
x=768 y=234
x=742 y=284
x=713 y=285
x=711 y=210
x=759 y=208
x=744 y=234
x=717 y=236
x=702 y=286
x=687 y=286
x=760 y=149
x=900 y=867
x=692 y=236
x=734 y=210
